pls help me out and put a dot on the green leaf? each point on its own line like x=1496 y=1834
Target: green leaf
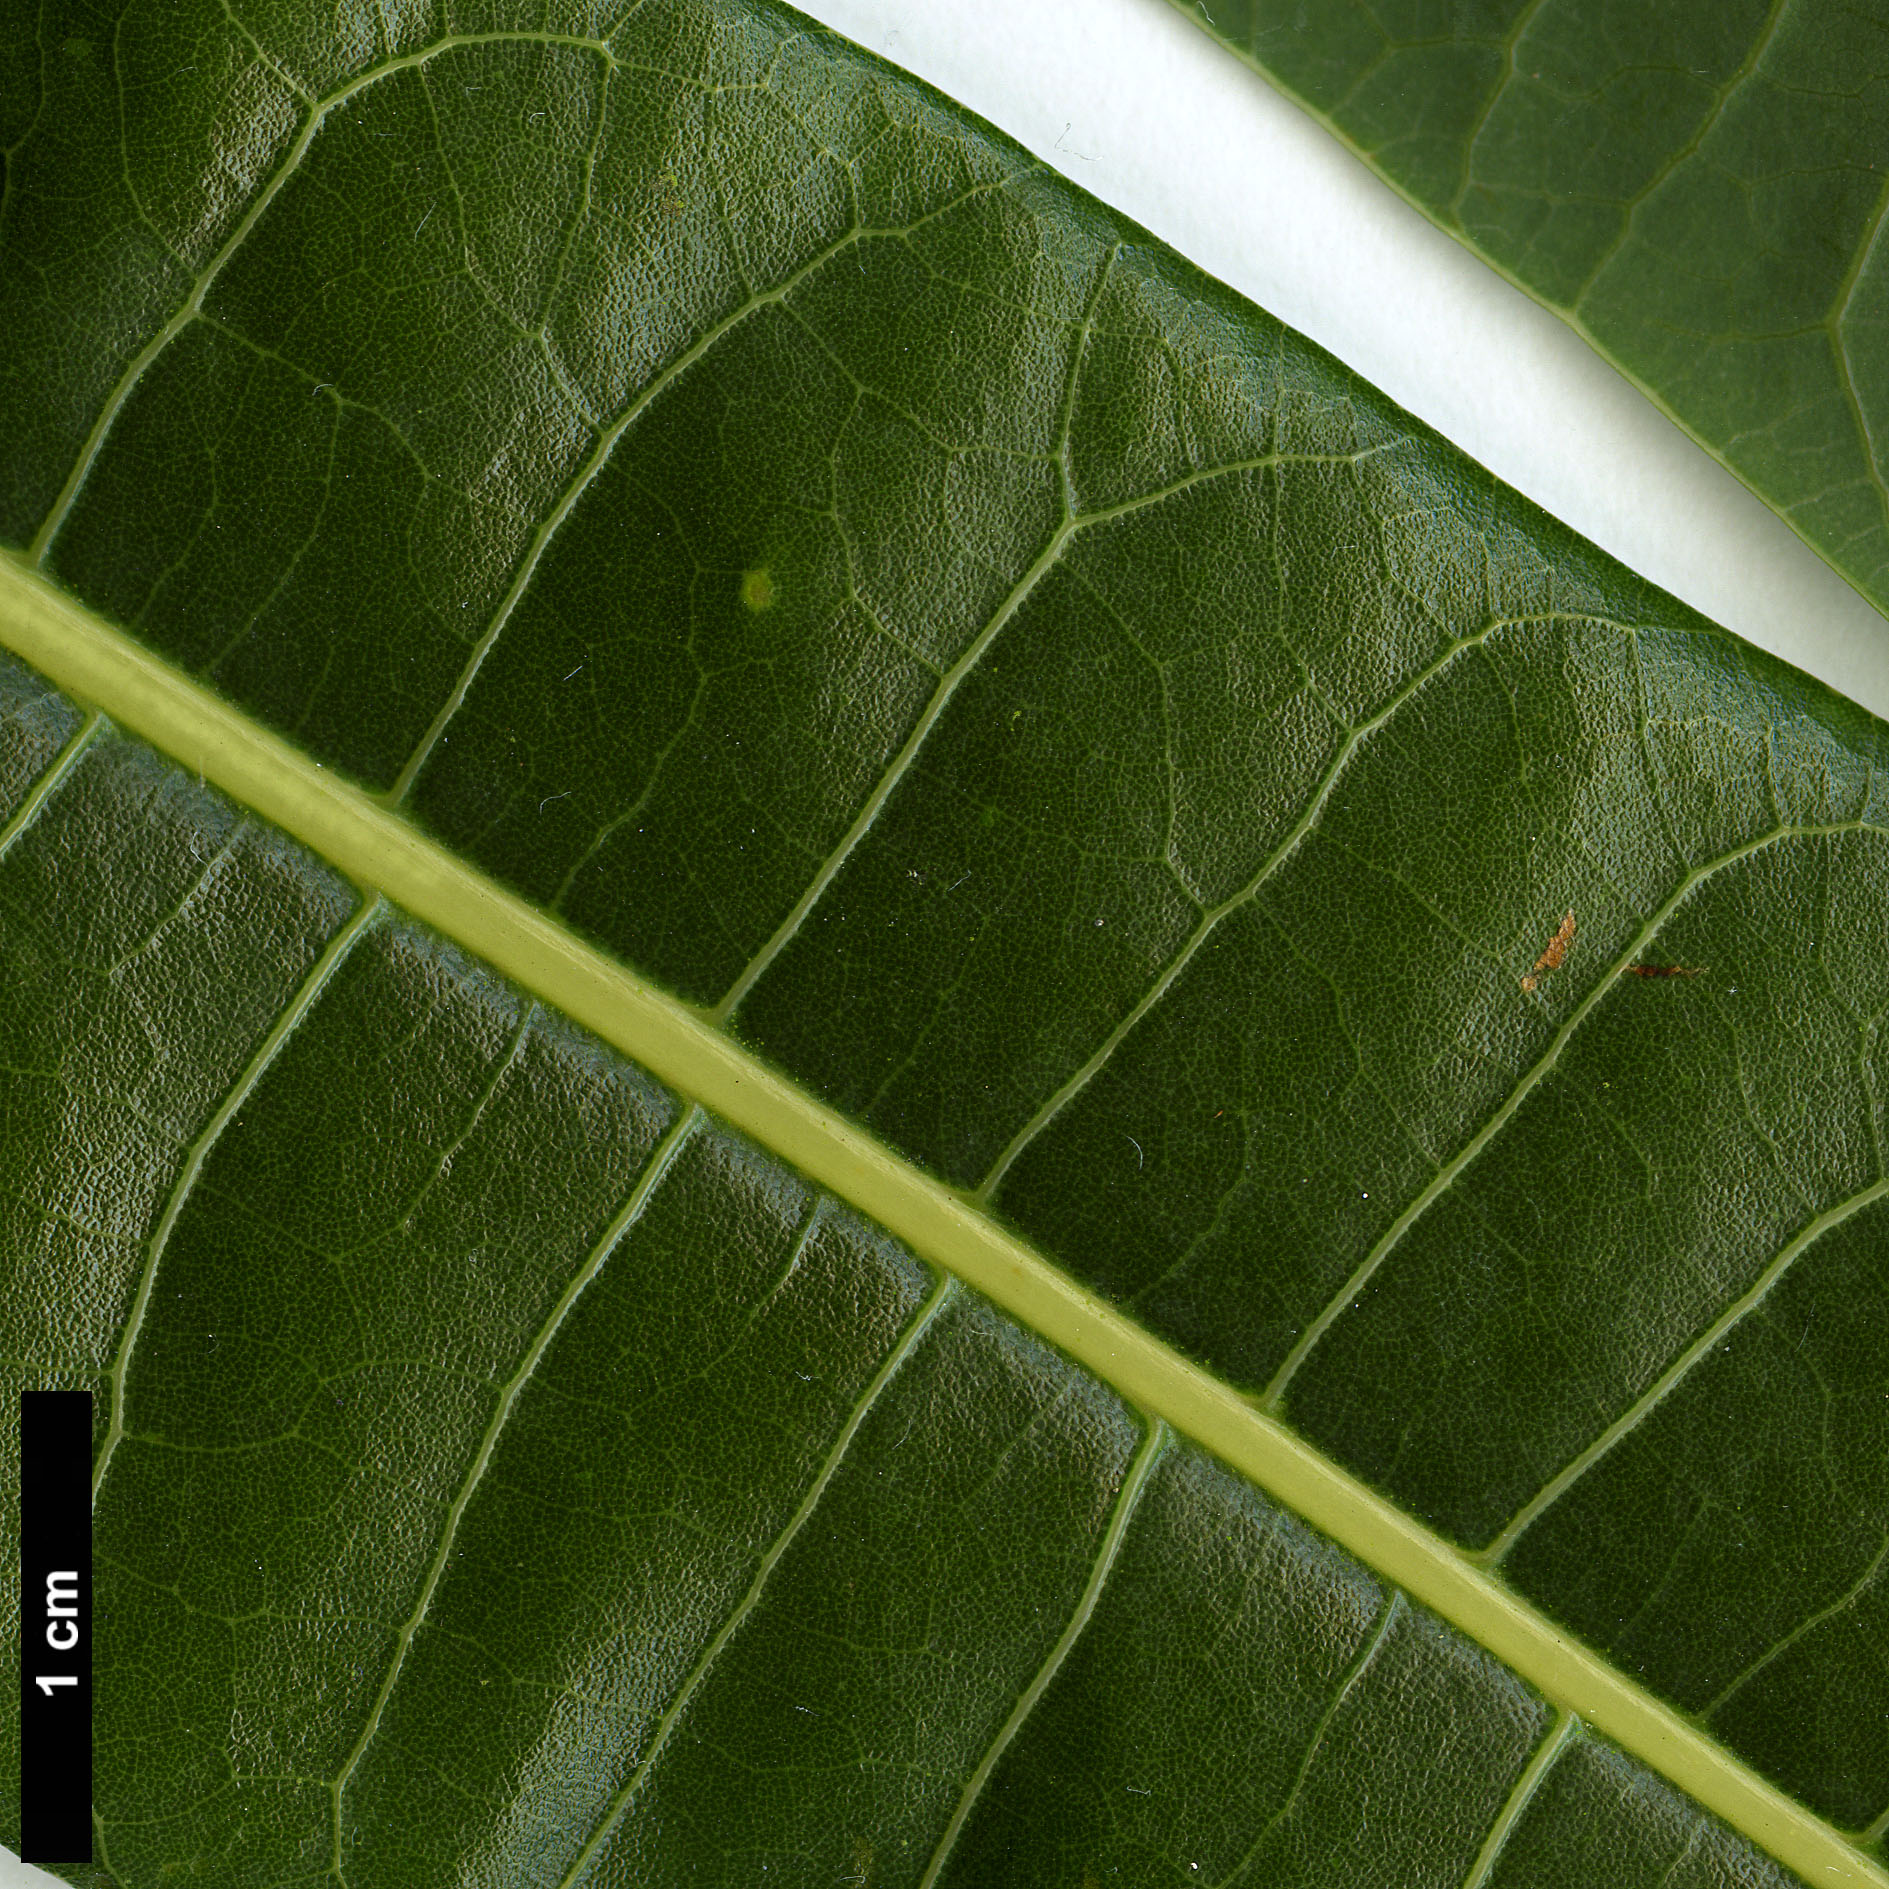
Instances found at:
x=1697 y=190
x=506 y=1459
x=1105 y=784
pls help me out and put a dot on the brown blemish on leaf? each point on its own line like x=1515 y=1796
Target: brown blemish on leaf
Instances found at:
x=1550 y=959
x=1664 y=970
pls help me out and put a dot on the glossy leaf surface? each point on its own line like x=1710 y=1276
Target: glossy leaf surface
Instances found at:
x=1050 y=710
x=1699 y=190
x=507 y=1475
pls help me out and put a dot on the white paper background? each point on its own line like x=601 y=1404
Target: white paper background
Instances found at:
x=1139 y=107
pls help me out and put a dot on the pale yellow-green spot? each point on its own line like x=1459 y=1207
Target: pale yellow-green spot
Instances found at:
x=757 y=588
x=680 y=1047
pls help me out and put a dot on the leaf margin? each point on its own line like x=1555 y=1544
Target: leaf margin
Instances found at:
x=1196 y=14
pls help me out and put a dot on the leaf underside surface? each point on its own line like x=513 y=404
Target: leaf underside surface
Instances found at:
x=1071 y=726
x=508 y=1475
x=1700 y=190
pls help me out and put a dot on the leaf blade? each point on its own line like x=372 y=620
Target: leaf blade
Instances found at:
x=1102 y=428
x=713 y=1072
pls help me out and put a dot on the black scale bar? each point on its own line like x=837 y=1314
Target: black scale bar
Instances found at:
x=55 y=1626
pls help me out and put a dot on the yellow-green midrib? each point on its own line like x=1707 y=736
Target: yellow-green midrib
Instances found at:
x=377 y=849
